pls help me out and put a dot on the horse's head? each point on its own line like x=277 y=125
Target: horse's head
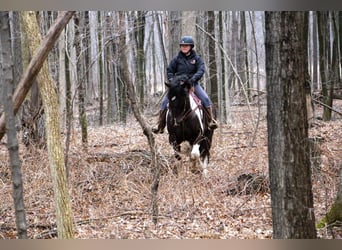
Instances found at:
x=178 y=93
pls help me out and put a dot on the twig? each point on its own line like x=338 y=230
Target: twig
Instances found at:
x=327 y=106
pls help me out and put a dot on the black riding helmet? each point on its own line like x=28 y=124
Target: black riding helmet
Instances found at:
x=187 y=40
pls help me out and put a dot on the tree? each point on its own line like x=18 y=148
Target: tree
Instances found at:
x=139 y=35
x=80 y=85
x=132 y=98
x=35 y=65
x=212 y=67
x=93 y=88
x=52 y=123
x=289 y=162
x=6 y=78
x=328 y=58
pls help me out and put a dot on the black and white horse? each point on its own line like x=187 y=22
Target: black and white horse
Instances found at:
x=187 y=123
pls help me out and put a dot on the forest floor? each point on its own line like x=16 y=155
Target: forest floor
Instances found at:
x=110 y=184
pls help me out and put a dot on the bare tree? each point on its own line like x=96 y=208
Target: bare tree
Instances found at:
x=6 y=78
x=289 y=162
x=58 y=172
x=327 y=33
x=36 y=64
x=80 y=83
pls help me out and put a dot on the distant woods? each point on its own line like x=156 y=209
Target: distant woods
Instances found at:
x=87 y=70
x=95 y=54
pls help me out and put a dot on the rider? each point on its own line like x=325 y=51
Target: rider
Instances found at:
x=189 y=63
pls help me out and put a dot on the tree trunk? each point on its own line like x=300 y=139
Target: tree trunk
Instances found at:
x=62 y=80
x=56 y=158
x=80 y=84
x=324 y=60
x=227 y=70
x=339 y=85
x=36 y=64
x=131 y=93
x=109 y=58
x=94 y=72
x=308 y=97
x=288 y=151
x=212 y=60
x=139 y=39
x=102 y=69
x=123 y=104
x=6 y=80
x=219 y=63
x=175 y=32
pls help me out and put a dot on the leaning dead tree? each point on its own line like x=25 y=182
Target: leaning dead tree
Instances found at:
x=36 y=64
x=146 y=129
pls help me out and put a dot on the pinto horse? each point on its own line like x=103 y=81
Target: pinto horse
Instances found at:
x=186 y=122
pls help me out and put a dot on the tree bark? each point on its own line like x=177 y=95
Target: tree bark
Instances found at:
x=93 y=88
x=288 y=151
x=6 y=80
x=212 y=63
x=56 y=158
x=324 y=61
x=80 y=86
x=36 y=64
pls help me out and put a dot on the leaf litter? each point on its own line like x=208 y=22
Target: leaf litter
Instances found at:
x=110 y=185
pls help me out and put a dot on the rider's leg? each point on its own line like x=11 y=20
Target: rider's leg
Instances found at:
x=162 y=117
x=206 y=102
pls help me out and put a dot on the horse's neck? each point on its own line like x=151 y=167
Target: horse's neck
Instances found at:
x=182 y=108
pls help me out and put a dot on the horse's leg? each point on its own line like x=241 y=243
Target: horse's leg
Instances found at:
x=178 y=164
x=204 y=164
x=177 y=148
x=195 y=152
x=195 y=158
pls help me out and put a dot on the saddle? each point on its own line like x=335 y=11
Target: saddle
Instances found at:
x=196 y=99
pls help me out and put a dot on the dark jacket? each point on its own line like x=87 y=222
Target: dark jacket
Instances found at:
x=191 y=65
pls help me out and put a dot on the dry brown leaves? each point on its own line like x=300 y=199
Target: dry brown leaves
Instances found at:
x=110 y=185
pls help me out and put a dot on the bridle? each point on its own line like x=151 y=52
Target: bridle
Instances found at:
x=186 y=113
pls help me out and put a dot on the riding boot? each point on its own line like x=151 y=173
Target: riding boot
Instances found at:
x=212 y=123
x=161 y=122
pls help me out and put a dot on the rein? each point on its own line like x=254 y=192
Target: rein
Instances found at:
x=190 y=111
x=187 y=114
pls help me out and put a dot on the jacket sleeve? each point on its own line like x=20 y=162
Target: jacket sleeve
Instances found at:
x=171 y=69
x=200 y=69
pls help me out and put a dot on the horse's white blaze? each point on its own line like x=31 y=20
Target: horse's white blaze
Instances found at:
x=195 y=153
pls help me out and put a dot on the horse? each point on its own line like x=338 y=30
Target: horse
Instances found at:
x=186 y=122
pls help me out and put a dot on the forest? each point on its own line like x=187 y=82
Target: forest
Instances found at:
x=81 y=90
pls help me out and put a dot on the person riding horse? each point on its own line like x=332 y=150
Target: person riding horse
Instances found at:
x=187 y=62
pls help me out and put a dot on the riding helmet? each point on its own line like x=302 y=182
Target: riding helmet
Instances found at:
x=187 y=40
